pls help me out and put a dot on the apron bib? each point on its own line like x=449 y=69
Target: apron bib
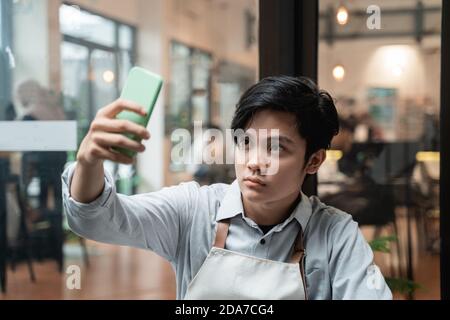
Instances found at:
x=229 y=275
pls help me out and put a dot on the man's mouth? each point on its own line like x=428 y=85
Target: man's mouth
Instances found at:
x=253 y=182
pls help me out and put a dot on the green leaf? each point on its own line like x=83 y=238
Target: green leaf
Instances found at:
x=382 y=243
x=403 y=286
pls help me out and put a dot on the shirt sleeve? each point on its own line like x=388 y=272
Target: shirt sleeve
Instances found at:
x=353 y=273
x=156 y=221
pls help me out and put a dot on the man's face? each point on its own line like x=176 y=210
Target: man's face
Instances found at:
x=254 y=163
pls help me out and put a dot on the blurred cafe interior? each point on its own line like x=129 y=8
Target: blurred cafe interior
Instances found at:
x=63 y=60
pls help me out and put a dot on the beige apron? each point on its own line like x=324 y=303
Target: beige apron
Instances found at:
x=231 y=275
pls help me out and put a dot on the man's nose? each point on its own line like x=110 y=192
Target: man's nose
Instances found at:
x=258 y=160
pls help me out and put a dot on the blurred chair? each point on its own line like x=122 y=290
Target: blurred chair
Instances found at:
x=382 y=182
x=46 y=228
x=14 y=235
x=426 y=177
x=370 y=204
x=18 y=233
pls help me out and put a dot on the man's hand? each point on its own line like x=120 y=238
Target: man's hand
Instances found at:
x=105 y=132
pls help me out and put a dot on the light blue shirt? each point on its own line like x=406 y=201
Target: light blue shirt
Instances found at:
x=178 y=223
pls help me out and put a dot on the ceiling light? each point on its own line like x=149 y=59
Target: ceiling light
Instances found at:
x=339 y=72
x=108 y=76
x=342 y=15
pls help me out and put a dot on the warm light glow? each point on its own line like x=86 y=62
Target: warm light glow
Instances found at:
x=397 y=70
x=342 y=15
x=426 y=156
x=108 y=76
x=398 y=66
x=339 y=72
x=334 y=155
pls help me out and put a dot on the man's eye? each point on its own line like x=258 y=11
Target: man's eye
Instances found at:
x=243 y=142
x=275 y=147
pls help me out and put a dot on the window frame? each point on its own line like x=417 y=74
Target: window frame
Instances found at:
x=115 y=50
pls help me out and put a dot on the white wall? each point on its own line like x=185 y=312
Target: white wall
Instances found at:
x=125 y=11
x=372 y=63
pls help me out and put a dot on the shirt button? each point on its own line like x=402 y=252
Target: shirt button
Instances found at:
x=262 y=241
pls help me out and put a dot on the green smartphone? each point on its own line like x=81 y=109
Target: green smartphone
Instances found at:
x=141 y=87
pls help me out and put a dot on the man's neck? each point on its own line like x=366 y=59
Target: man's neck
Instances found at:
x=271 y=213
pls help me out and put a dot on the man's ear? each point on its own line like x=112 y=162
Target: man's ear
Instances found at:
x=315 y=161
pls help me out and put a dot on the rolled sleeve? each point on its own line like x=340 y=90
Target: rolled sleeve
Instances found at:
x=353 y=272
x=91 y=209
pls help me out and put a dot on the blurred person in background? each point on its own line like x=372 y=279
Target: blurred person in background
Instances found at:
x=39 y=104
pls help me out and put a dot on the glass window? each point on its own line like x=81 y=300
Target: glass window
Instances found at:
x=103 y=76
x=384 y=164
x=125 y=37
x=126 y=59
x=75 y=84
x=180 y=87
x=97 y=54
x=84 y=25
x=77 y=61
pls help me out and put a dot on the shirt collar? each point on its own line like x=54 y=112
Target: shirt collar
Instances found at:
x=231 y=206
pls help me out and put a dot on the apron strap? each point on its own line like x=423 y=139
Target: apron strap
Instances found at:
x=299 y=247
x=221 y=233
x=298 y=256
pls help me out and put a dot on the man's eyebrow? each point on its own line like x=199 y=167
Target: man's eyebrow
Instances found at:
x=282 y=139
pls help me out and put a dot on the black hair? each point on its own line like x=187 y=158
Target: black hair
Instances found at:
x=314 y=109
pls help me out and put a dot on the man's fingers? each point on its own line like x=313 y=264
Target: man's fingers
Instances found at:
x=116 y=126
x=108 y=154
x=111 y=110
x=106 y=140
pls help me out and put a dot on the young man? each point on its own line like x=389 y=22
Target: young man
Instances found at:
x=259 y=237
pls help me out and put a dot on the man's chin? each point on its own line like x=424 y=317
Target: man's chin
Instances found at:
x=254 y=194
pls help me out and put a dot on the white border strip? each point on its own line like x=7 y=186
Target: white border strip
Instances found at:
x=38 y=135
